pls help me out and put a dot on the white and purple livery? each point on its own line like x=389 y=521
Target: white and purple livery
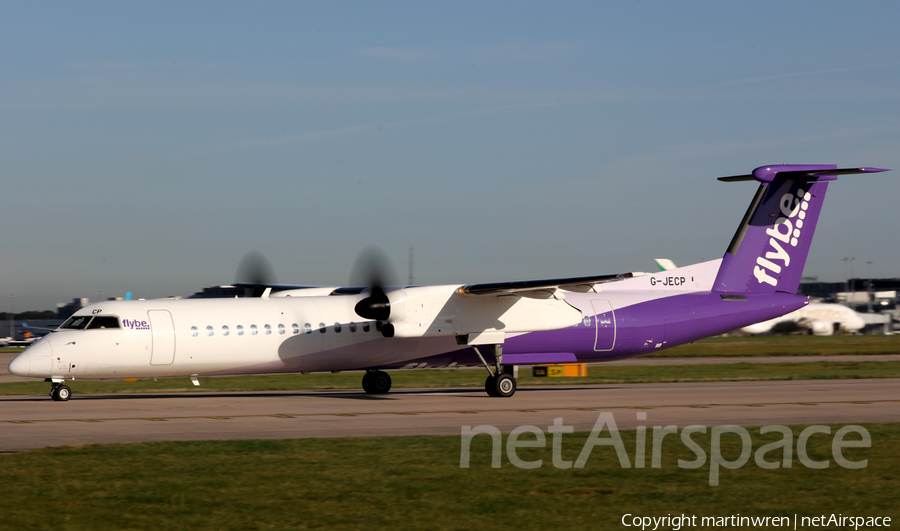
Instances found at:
x=497 y=325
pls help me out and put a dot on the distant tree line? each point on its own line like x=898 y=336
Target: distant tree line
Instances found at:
x=45 y=315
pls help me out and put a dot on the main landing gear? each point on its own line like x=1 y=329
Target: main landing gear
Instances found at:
x=499 y=382
x=500 y=385
x=60 y=392
x=376 y=382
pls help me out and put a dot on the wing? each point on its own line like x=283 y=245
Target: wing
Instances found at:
x=579 y=284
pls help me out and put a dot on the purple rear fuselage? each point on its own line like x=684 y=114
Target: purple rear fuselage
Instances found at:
x=640 y=328
x=651 y=326
x=632 y=318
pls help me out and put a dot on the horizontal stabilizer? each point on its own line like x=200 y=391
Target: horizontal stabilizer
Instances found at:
x=810 y=172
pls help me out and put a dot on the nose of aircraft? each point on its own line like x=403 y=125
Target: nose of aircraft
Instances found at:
x=21 y=364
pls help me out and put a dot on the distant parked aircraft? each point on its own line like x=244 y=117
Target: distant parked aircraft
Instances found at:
x=821 y=319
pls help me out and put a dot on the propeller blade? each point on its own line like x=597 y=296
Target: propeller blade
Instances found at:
x=254 y=268
x=373 y=268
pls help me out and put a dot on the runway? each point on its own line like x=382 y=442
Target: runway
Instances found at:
x=35 y=421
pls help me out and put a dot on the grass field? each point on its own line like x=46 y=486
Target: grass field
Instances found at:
x=417 y=483
x=785 y=346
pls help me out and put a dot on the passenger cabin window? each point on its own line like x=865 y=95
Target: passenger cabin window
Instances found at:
x=365 y=327
x=209 y=331
x=280 y=328
x=268 y=329
x=587 y=320
x=307 y=328
x=337 y=327
x=194 y=331
x=224 y=330
x=76 y=322
x=239 y=329
x=104 y=321
x=352 y=327
x=295 y=328
x=253 y=330
x=322 y=327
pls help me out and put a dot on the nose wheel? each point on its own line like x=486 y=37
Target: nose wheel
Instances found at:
x=60 y=392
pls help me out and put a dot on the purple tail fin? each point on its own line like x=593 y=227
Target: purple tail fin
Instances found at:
x=770 y=247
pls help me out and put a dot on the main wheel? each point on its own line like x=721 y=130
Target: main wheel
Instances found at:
x=61 y=393
x=376 y=382
x=490 y=385
x=501 y=385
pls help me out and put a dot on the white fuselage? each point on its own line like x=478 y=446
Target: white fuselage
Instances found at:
x=299 y=331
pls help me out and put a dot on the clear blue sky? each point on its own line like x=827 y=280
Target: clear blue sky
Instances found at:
x=147 y=146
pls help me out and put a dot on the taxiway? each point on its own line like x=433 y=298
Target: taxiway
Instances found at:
x=31 y=421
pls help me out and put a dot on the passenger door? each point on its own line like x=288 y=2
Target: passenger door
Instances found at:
x=605 y=325
x=163 y=330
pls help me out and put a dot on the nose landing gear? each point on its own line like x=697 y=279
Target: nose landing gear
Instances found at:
x=60 y=392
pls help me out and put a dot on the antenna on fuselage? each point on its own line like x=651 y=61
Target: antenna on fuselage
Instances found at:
x=410 y=265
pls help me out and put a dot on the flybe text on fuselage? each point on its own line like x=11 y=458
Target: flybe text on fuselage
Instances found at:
x=134 y=324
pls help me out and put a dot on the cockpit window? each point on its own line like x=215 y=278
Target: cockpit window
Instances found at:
x=76 y=322
x=104 y=321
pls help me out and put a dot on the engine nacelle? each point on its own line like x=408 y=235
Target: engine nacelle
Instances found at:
x=822 y=328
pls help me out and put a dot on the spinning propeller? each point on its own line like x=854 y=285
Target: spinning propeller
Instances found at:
x=255 y=269
x=373 y=268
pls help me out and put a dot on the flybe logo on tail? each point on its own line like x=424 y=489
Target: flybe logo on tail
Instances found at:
x=783 y=236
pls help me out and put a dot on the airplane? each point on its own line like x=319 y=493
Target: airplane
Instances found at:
x=27 y=337
x=496 y=325
x=821 y=319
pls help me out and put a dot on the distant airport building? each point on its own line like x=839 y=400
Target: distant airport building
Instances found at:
x=64 y=311
x=854 y=291
x=821 y=290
